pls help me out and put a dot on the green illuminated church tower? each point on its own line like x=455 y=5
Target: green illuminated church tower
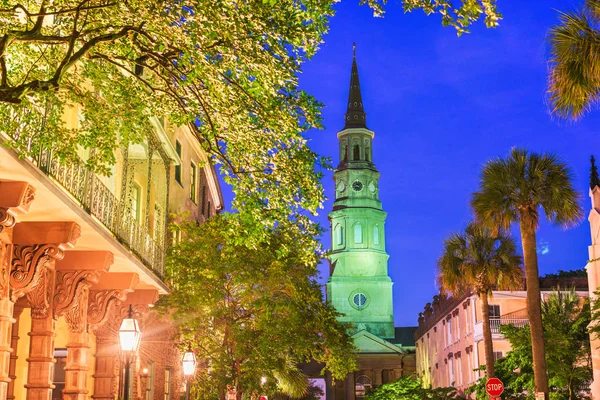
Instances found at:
x=359 y=285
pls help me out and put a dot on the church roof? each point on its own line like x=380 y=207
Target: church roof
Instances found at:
x=366 y=342
x=355 y=115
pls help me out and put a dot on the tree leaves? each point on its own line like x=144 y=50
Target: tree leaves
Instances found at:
x=253 y=309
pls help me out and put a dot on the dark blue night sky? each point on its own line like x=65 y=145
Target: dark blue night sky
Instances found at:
x=440 y=107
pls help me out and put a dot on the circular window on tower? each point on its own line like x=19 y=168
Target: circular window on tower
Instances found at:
x=359 y=299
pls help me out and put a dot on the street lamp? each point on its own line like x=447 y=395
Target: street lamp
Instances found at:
x=189 y=368
x=129 y=339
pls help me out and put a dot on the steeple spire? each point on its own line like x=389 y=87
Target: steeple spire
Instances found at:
x=594 y=178
x=355 y=115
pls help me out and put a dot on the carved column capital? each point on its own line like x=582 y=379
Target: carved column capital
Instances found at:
x=28 y=264
x=100 y=304
x=40 y=297
x=70 y=294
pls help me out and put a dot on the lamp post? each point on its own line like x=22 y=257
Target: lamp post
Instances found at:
x=189 y=368
x=129 y=339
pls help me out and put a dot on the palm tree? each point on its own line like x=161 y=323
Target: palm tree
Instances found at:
x=574 y=82
x=479 y=261
x=517 y=189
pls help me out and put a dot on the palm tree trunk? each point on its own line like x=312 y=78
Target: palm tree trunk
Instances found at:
x=534 y=306
x=487 y=337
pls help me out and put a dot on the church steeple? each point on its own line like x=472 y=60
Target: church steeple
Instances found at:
x=355 y=115
x=359 y=286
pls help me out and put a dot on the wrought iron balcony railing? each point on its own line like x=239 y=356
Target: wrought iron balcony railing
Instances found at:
x=495 y=326
x=98 y=201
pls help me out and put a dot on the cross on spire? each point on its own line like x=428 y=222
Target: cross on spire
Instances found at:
x=355 y=115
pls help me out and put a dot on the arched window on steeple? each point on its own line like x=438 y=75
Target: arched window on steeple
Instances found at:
x=344 y=156
x=358 y=233
x=376 y=235
x=339 y=235
x=367 y=154
x=356 y=153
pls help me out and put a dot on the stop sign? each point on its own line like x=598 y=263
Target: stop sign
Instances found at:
x=494 y=387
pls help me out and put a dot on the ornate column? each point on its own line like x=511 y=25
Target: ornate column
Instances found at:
x=15 y=198
x=40 y=369
x=104 y=318
x=76 y=273
x=37 y=246
x=13 y=356
x=104 y=304
x=71 y=301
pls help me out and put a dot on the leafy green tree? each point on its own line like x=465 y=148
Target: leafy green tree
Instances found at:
x=574 y=82
x=226 y=70
x=250 y=312
x=517 y=189
x=568 y=353
x=407 y=388
x=478 y=261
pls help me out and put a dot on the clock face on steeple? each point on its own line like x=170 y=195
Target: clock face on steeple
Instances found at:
x=357 y=186
x=341 y=186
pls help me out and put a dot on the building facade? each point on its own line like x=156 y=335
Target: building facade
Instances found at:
x=449 y=339
x=79 y=250
x=359 y=286
x=593 y=269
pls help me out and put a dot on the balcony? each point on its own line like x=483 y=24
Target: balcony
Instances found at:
x=115 y=203
x=495 y=327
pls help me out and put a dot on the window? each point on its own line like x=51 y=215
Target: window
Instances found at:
x=178 y=167
x=367 y=151
x=136 y=201
x=203 y=200
x=150 y=381
x=359 y=300
x=458 y=361
x=362 y=387
x=208 y=210
x=59 y=373
x=449 y=330
x=457 y=327
x=339 y=235
x=494 y=311
x=498 y=355
x=167 y=384
x=356 y=154
x=193 y=180
x=358 y=233
x=451 y=371
x=176 y=237
x=469 y=369
x=376 y=235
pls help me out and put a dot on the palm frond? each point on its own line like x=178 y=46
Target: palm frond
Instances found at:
x=574 y=79
x=292 y=382
x=523 y=184
x=479 y=260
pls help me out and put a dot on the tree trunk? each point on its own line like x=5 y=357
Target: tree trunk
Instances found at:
x=534 y=306
x=487 y=337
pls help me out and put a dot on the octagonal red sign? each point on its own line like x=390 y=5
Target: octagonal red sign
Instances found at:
x=494 y=387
